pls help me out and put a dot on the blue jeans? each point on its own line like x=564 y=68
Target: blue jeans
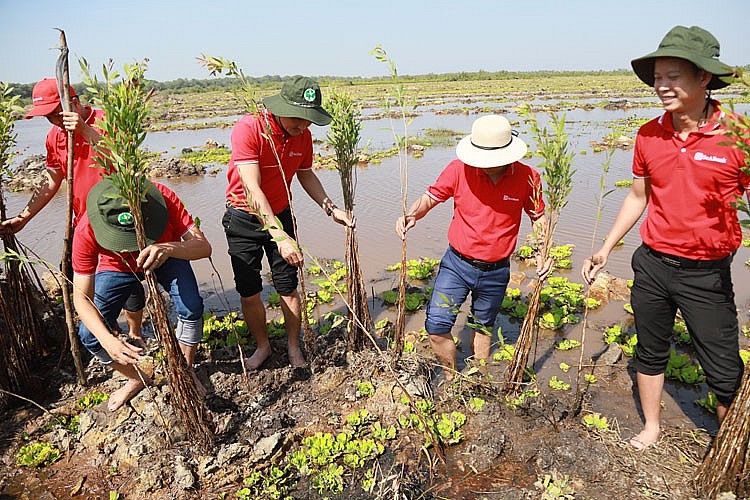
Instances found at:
x=455 y=279
x=112 y=289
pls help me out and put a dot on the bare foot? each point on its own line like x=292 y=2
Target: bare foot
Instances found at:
x=296 y=358
x=124 y=394
x=138 y=342
x=258 y=358
x=646 y=438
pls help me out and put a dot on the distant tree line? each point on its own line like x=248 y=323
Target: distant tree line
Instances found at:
x=194 y=85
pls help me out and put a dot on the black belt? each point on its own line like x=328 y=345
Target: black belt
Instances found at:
x=683 y=263
x=481 y=264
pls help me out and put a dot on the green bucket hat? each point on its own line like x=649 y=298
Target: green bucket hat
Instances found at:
x=693 y=44
x=299 y=98
x=114 y=225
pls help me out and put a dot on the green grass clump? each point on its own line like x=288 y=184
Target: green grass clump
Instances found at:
x=39 y=454
x=91 y=399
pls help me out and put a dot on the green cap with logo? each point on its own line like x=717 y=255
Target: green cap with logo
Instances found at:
x=693 y=44
x=299 y=98
x=113 y=223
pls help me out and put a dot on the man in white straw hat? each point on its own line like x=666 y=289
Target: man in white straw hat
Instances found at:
x=689 y=176
x=491 y=189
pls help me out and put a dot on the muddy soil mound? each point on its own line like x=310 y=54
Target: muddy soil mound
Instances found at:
x=31 y=171
x=262 y=418
x=28 y=174
x=174 y=167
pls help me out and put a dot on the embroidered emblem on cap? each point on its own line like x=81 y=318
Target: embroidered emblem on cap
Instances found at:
x=125 y=219
x=309 y=95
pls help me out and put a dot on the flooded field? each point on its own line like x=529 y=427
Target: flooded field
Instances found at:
x=378 y=196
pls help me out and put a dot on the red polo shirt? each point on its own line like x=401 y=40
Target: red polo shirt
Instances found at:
x=693 y=183
x=86 y=173
x=487 y=216
x=90 y=257
x=250 y=144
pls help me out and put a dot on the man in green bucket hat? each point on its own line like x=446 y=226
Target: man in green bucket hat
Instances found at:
x=688 y=176
x=258 y=218
x=108 y=265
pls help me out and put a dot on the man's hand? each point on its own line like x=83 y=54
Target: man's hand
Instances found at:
x=403 y=224
x=342 y=217
x=592 y=266
x=544 y=269
x=152 y=257
x=121 y=352
x=290 y=251
x=72 y=121
x=13 y=225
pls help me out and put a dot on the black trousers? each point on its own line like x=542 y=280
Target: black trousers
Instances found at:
x=705 y=297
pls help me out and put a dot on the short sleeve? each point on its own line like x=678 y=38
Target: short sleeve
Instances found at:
x=244 y=139
x=445 y=186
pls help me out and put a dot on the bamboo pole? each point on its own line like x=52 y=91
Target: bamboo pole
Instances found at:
x=63 y=87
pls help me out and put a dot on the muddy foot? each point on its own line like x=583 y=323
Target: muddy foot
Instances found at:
x=138 y=342
x=296 y=358
x=257 y=359
x=646 y=438
x=124 y=394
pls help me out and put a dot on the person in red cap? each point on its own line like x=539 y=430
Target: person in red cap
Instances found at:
x=686 y=177
x=258 y=219
x=81 y=120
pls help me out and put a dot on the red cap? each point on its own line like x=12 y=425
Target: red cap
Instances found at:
x=45 y=98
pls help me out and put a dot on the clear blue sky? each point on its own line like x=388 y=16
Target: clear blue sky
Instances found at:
x=326 y=37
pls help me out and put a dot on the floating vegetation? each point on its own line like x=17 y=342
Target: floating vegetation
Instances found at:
x=627 y=341
x=442 y=137
x=417 y=269
x=561 y=255
x=566 y=344
x=708 y=403
x=558 y=385
x=683 y=368
x=220 y=154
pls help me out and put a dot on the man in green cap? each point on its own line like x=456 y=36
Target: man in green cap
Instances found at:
x=258 y=219
x=688 y=176
x=108 y=265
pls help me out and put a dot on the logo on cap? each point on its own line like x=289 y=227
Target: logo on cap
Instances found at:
x=125 y=219
x=309 y=95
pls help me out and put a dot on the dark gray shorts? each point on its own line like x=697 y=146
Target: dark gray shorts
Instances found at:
x=247 y=244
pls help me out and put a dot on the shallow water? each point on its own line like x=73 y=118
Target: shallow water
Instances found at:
x=378 y=199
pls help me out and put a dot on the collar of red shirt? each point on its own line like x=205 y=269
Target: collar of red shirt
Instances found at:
x=713 y=122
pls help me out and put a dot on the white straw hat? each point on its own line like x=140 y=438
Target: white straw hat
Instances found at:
x=492 y=143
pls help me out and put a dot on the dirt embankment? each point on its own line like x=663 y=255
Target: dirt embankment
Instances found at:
x=30 y=171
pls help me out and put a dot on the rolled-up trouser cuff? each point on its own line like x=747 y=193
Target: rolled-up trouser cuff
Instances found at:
x=189 y=331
